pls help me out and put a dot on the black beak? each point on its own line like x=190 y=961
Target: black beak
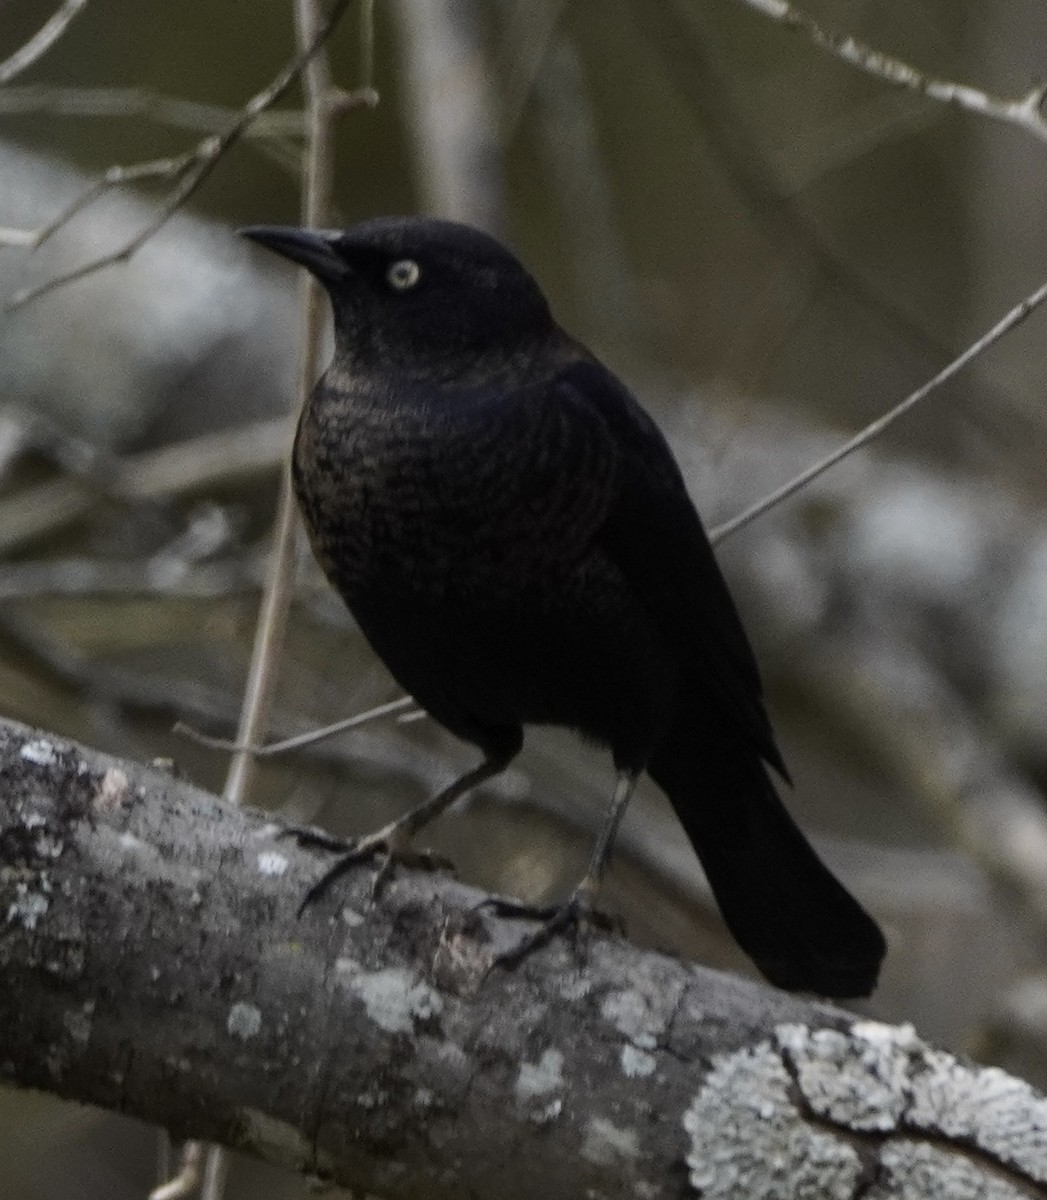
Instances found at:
x=311 y=248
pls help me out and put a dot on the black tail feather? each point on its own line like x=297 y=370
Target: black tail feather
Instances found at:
x=785 y=908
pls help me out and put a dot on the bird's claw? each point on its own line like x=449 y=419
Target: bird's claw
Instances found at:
x=391 y=845
x=577 y=915
x=309 y=837
x=403 y=856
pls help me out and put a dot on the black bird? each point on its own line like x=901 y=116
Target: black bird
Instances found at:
x=513 y=535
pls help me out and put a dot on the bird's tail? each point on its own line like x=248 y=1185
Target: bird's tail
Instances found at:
x=787 y=911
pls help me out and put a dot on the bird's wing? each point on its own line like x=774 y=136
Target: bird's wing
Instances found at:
x=654 y=536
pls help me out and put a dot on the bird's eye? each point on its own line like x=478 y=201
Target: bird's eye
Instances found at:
x=403 y=274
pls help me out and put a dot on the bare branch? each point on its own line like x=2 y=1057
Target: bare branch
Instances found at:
x=274 y=134
x=189 y=170
x=172 y=111
x=276 y=601
x=1025 y=112
x=162 y=168
x=372 y=1043
x=300 y=740
x=873 y=430
x=41 y=41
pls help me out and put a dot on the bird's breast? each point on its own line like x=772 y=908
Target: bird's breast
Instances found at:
x=453 y=501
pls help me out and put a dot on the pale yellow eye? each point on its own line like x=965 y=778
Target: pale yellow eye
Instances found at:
x=403 y=274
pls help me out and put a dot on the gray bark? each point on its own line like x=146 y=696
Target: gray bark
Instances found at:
x=152 y=961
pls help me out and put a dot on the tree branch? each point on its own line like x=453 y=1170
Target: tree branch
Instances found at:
x=1026 y=112
x=1010 y=320
x=41 y=41
x=187 y=171
x=174 y=112
x=152 y=962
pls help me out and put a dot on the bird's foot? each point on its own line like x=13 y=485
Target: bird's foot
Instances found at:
x=391 y=845
x=310 y=837
x=576 y=916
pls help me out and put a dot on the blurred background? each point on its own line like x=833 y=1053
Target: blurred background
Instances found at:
x=769 y=246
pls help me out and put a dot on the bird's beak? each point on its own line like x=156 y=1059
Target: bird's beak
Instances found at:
x=311 y=248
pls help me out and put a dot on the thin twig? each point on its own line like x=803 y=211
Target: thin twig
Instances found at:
x=189 y=170
x=41 y=41
x=678 y=30
x=1025 y=112
x=276 y=603
x=1012 y=319
x=175 y=167
x=277 y=600
x=172 y=111
x=276 y=133
x=365 y=52
x=309 y=738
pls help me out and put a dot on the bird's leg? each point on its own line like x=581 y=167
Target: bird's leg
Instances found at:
x=393 y=841
x=580 y=906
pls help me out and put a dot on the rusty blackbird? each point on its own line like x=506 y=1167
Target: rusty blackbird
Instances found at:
x=513 y=535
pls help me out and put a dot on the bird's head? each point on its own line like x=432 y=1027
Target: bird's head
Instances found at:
x=420 y=293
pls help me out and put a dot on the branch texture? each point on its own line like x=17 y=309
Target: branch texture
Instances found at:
x=151 y=961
